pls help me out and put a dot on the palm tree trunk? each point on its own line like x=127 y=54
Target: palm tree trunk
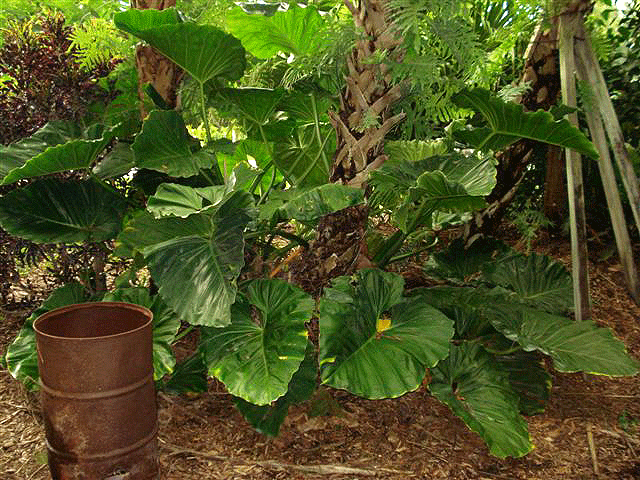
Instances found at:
x=155 y=68
x=365 y=115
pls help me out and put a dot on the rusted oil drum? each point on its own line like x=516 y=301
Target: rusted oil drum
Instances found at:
x=97 y=390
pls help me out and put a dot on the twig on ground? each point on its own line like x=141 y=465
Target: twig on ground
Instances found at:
x=184 y=409
x=592 y=449
x=624 y=436
x=37 y=471
x=312 y=469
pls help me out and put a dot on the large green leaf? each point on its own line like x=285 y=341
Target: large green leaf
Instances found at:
x=528 y=378
x=573 y=346
x=165 y=325
x=176 y=200
x=463 y=305
x=53 y=211
x=202 y=50
x=268 y=418
x=189 y=376
x=194 y=260
x=434 y=192
x=118 y=162
x=413 y=150
x=373 y=342
x=165 y=145
x=22 y=356
x=305 y=154
x=309 y=205
x=17 y=154
x=73 y=155
x=143 y=230
x=458 y=262
x=308 y=108
x=418 y=190
x=258 y=353
x=470 y=383
x=446 y=194
x=538 y=280
x=508 y=122
x=297 y=31
x=255 y=107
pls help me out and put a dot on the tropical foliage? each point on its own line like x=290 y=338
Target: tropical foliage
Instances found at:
x=204 y=215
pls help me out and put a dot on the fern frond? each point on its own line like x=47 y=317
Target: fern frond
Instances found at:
x=97 y=42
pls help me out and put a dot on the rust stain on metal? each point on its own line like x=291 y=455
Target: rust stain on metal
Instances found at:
x=98 y=395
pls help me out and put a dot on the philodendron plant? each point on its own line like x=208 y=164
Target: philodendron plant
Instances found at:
x=191 y=212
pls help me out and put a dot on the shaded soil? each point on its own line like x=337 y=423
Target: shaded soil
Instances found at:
x=591 y=424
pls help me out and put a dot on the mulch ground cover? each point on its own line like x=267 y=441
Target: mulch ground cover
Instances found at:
x=589 y=430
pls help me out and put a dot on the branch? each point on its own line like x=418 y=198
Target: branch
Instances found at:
x=312 y=469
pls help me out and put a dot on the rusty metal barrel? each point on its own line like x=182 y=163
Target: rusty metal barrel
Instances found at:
x=97 y=391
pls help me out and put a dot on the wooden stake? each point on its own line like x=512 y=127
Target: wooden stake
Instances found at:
x=594 y=120
x=611 y=123
x=567 y=25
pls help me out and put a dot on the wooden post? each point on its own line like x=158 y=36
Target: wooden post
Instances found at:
x=594 y=120
x=594 y=74
x=567 y=27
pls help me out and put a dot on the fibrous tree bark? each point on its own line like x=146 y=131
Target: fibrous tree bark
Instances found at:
x=364 y=119
x=155 y=68
x=365 y=116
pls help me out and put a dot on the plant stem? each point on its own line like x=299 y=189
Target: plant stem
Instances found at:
x=203 y=111
x=263 y=197
x=317 y=129
x=184 y=333
x=207 y=129
x=508 y=351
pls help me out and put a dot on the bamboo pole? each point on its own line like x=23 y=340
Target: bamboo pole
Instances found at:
x=567 y=27
x=607 y=173
x=595 y=77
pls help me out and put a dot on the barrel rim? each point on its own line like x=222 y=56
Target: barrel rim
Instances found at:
x=80 y=306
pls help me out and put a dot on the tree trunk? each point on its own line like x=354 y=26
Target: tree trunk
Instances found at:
x=541 y=72
x=155 y=68
x=555 y=189
x=361 y=124
x=365 y=118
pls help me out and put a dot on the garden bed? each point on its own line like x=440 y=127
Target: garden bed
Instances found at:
x=590 y=424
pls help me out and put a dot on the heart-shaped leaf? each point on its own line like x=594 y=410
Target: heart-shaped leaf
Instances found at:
x=189 y=376
x=528 y=378
x=418 y=190
x=73 y=155
x=303 y=156
x=164 y=145
x=472 y=385
x=457 y=262
x=373 y=342
x=17 y=154
x=309 y=205
x=54 y=211
x=194 y=260
x=297 y=30
x=118 y=162
x=258 y=353
x=508 y=122
x=268 y=418
x=255 y=107
x=573 y=346
x=538 y=280
x=176 y=200
x=204 y=51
